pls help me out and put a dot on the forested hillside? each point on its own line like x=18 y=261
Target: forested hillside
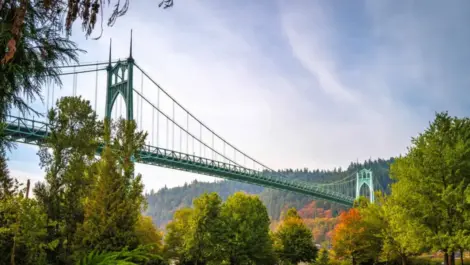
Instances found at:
x=163 y=203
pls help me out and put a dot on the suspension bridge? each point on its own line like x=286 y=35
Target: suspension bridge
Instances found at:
x=176 y=138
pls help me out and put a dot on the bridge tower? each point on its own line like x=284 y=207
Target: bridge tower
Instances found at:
x=365 y=177
x=120 y=81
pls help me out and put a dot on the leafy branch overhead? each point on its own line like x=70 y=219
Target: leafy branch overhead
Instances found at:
x=14 y=13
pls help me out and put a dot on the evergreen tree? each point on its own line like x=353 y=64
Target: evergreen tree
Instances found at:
x=8 y=185
x=31 y=48
x=113 y=208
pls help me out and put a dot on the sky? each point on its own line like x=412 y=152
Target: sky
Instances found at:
x=294 y=84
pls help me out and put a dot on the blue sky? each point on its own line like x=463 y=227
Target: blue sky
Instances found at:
x=296 y=84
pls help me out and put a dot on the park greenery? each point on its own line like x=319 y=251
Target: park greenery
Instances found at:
x=91 y=209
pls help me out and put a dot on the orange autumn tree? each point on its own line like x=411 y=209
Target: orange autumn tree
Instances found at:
x=354 y=239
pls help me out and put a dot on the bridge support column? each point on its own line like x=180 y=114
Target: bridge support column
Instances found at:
x=365 y=177
x=120 y=81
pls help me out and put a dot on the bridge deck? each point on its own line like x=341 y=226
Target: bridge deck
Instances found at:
x=34 y=132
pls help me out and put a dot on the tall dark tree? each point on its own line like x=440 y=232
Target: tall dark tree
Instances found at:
x=8 y=185
x=68 y=157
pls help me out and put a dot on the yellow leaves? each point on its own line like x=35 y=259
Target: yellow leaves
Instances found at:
x=147 y=233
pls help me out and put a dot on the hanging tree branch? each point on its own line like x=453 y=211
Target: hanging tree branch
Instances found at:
x=86 y=10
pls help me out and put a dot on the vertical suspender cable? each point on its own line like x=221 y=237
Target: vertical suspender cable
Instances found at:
x=158 y=115
x=141 y=100
x=153 y=124
x=136 y=111
x=173 y=128
x=167 y=134
x=96 y=88
x=187 y=133
x=200 y=139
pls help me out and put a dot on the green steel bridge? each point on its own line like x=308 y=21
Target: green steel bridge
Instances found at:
x=199 y=149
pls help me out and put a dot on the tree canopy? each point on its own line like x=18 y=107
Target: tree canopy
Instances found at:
x=246 y=239
x=293 y=241
x=431 y=183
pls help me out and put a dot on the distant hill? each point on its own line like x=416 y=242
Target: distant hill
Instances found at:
x=163 y=203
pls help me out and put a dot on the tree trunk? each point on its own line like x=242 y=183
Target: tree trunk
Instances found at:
x=461 y=256
x=452 y=258
x=404 y=260
x=353 y=261
x=12 y=256
x=446 y=258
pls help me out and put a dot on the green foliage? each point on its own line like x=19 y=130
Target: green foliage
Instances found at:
x=293 y=241
x=431 y=183
x=23 y=232
x=67 y=156
x=176 y=232
x=39 y=50
x=361 y=202
x=247 y=239
x=402 y=237
x=206 y=230
x=137 y=256
x=291 y=213
x=8 y=185
x=85 y=205
x=323 y=257
x=148 y=234
x=236 y=232
x=113 y=207
x=163 y=203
